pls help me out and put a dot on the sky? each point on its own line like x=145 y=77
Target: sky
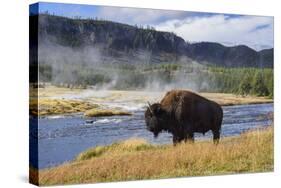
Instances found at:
x=228 y=29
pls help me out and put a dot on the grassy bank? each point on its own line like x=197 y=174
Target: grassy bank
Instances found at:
x=63 y=106
x=106 y=112
x=136 y=159
x=51 y=100
x=45 y=106
x=227 y=99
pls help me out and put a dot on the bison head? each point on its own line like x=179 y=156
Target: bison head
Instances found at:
x=155 y=118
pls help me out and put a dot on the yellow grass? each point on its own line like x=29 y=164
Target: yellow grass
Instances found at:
x=143 y=96
x=48 y=105
x=105 y=112
x=136 y=160
x=224 y=99
x=53 y=91
x=227 y=99
x=130 y=145
x=45 y=106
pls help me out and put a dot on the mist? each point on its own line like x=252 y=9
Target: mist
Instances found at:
x=93 y=67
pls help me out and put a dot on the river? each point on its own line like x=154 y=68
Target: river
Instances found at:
x=62 y=138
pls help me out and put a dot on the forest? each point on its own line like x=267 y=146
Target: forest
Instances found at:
x=240 y=81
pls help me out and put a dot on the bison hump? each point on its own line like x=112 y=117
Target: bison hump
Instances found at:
x=176 y=96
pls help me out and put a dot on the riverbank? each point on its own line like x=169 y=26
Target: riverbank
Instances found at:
x=136 y=159
x=46 y=107
x=54 y=100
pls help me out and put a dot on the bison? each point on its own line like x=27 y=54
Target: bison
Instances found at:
x=182 y=113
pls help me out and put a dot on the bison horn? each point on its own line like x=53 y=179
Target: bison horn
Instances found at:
x=149 y=107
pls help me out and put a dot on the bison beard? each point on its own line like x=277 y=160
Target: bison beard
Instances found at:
x=183 y=113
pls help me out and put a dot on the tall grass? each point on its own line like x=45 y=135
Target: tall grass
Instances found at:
x=136 y=160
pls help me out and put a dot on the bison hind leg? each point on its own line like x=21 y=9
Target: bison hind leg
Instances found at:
x=216 y=136
x=189 y=138
x=176 y=140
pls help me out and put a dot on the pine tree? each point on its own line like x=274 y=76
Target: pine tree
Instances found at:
x=259 y=87
x=245 y=86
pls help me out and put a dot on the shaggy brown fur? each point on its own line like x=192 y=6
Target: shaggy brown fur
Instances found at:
x=183 y=113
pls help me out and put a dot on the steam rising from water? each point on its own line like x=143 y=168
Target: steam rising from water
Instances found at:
x=92 y=66
x=101 y=68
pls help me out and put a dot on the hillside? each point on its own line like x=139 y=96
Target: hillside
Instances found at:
x=122 y=43
x=236 y=56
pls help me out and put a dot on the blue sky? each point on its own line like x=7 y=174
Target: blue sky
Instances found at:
x=228 y=29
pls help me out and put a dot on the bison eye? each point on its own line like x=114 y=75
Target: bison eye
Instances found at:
x=159 y=111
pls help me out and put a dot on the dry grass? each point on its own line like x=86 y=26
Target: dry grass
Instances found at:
x=124 y=147
x=45 y=106
x=96 y=112
x=224 y=99
x=53 y=91
x=136 y=159
x=49 y=105
x=227 y=99
x=142 y=96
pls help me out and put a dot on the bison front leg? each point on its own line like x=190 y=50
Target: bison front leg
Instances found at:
x=176 y=140
x=189 y=138
x=216 y=136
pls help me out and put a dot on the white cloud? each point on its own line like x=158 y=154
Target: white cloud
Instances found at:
x=254 y=31
x=138 y=15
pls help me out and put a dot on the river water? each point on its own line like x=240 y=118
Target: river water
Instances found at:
x=62 y=138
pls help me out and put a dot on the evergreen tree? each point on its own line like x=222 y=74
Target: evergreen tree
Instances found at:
x=259 y=87
x=245 y=86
